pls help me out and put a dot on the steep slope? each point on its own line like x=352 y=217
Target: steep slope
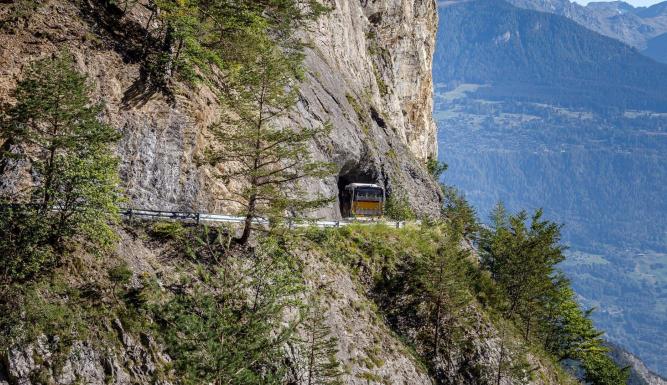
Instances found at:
x=543 y=126
x=345 y=266
x=368 y=73
x=641 y=375
x=616 y=19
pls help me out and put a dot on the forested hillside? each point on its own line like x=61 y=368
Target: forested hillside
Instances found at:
x=537 y=111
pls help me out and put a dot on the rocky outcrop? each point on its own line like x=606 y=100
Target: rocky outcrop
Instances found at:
x=368 y=74
x=639 y=373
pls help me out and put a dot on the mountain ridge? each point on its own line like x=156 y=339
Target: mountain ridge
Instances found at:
x=635 y=26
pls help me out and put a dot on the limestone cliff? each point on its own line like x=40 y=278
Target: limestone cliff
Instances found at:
x=368 y=73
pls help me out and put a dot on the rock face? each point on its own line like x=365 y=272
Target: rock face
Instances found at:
x=368 y=73
x=639 y=373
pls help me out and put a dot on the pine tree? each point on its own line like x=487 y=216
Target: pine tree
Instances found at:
x=601 y=370
x=316 y=363
x=522 y=260
x=194 y=38
x=459 y=212
x=441 y=282
x=267 y=159
x=54 y=128
x=228 y=327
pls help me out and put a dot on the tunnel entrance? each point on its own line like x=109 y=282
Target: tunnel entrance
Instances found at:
x=349 y=175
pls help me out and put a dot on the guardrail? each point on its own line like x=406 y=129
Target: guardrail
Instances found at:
x=220 y=218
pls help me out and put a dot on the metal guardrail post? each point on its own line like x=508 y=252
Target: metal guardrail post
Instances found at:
x=197 y=219
x=337 y=224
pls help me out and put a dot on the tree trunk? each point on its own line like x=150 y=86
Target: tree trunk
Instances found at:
x=502 y=356
x=247 y=227
x=46 y=201
x=436 y=336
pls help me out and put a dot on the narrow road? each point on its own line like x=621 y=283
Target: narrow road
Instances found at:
x=220 y=218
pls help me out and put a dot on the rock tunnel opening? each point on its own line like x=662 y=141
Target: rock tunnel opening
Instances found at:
x=353 y=174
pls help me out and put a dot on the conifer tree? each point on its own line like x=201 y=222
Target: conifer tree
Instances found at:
x=229 y=327
x=522 y=260
x=268 y=160
x=459 y=212
x=195 y=37
x=601 y=370
x=316 y=363
x=55 y=129
x=442 y=283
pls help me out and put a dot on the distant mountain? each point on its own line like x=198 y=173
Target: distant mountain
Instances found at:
x=537 y=111
x=656 y=48
x=654 y=11
x=616 y=19
x=535 y=55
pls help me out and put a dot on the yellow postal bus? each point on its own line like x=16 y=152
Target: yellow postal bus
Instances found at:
x=362 y=200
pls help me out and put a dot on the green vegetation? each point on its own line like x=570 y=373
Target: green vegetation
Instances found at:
x=436 y=168
x=227 y=326
x=398 y=208
x=606 y=214
x=196 y=38
x=269 y=160
x=423 y=284
x=459 y=212
x=431 y=292
x=535 y=295
x=223 y=315
x=315 y=362
x=54 y=129
x=231 y=315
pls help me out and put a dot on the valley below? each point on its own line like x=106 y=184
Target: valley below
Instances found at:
x=601 y=174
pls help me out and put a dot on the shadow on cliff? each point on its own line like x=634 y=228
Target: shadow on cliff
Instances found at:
x=134 y=42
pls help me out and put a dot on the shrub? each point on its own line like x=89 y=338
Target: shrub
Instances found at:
x=228 y=327
x=24 y=245
x=398 y=208
x=458 y=211
x=167 y=230
x=436 y=168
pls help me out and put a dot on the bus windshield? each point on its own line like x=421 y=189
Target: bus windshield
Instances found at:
x=368 y=194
